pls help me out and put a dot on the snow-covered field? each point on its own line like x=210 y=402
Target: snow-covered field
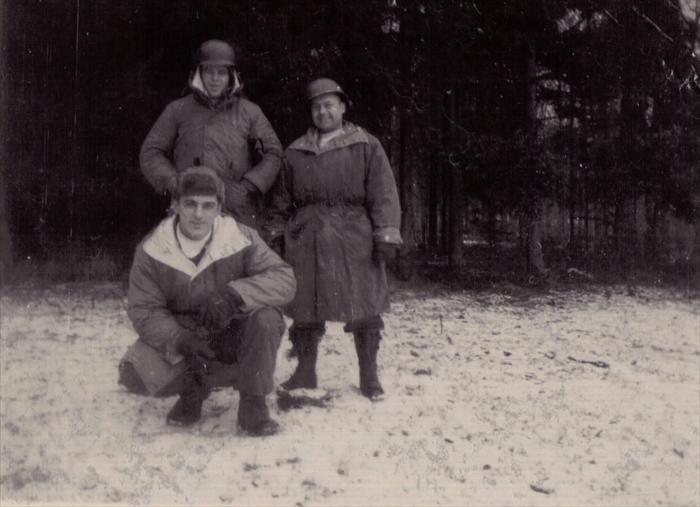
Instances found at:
x=562 y=398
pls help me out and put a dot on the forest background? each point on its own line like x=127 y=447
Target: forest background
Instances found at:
x=576 y=122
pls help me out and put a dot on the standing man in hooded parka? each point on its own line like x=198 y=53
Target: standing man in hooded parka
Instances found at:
x=214 y=126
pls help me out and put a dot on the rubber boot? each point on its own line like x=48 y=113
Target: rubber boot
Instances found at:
x=188 y=408
x=305 y=342
x=367 y=345
x=254 y=417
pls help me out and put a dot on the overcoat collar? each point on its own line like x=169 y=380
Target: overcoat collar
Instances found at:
x=352 y=134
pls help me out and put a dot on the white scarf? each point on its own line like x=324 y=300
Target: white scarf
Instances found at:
x=190 y=247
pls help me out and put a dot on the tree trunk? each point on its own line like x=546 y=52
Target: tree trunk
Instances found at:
x=6 y=257
x=433 y=203
x=456 y=194
x=533 y=218
x=617 y=227
x=444 y=209
x=6 y=254
x=574 y=182
x=651 y=233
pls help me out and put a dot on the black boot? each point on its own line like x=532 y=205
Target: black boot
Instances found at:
x=367 y=345
x=305 y=342
x=254 y=417
x=188 y=408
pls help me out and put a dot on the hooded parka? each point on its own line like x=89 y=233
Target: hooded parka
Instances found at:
x=167 y=290
x=332 y=204
x=195 y=130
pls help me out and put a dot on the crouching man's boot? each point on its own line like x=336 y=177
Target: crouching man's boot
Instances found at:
x=254 y=417
x=188 y=408
x=305 y=342
x=367 y=345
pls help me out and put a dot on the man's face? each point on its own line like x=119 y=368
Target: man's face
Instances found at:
x=327 y=112
x=196 y=214
x=215 y=79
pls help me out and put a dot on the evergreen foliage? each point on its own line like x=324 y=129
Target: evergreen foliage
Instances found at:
x=489 y=110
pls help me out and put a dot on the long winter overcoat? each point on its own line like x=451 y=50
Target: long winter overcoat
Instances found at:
x=333 y=203
x=195 y=131
x=167 y=290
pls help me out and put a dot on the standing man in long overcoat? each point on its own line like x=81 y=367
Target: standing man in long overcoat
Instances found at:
x=336 y=207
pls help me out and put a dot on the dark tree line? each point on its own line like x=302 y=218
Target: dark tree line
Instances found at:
x=497 y=115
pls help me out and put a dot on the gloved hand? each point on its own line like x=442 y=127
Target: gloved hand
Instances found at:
x=275 y=241
x=197 y=354
x=250 y=187
x=384 y=251
x=191 y=346
x=220 y=308
x=277 y=245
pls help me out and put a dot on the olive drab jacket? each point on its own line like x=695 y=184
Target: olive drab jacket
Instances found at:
x=332 y=204
x=167 y=290
x=224 y=136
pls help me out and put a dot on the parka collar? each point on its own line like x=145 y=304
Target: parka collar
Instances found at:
x=197 y=88
x=352 y=134
x=227 y=239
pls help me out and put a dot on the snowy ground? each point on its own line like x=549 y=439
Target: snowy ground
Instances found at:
x=583 y=398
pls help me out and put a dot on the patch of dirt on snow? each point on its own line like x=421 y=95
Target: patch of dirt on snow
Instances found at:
x=492 y=399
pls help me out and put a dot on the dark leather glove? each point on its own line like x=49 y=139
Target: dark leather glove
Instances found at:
x=384 y=251
x=274 y=238
x=220 y=308
x=190 y=345
x=277 y=245
x=250 y=187
x=197 y=355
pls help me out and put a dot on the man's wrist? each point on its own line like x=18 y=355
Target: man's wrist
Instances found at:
x=250 y=186
x=234 y=298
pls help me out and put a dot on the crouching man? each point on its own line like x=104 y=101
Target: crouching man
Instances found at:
x=204 y=293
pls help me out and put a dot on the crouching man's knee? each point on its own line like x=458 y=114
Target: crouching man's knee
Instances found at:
x=143 y=371
x=266 y=323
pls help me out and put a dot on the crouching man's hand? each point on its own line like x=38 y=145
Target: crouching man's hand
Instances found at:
x=220 y=308
x=190 y=346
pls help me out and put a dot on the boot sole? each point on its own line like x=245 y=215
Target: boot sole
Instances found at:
x=182 y=424
x=266 y=430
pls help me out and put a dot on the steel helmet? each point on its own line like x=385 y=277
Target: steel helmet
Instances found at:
x=322 y=86
x=216 y=52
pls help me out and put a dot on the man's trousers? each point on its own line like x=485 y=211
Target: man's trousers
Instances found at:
x=246 y=354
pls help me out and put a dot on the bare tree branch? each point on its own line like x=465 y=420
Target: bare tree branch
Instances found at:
x=651 y=22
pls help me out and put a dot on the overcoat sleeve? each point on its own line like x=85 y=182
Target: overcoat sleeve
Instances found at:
x=264 y=174
x=147 y=309
x=382 y=197
x=280 y=208
x=269 y=281
x=157 y=151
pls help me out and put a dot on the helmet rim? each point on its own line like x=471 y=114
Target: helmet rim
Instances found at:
x=323 y=86
x=216 y=52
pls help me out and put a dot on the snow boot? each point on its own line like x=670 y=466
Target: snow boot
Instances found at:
x=254 y=417
x=367 y=345
x=188 y=408
x=305 y=342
